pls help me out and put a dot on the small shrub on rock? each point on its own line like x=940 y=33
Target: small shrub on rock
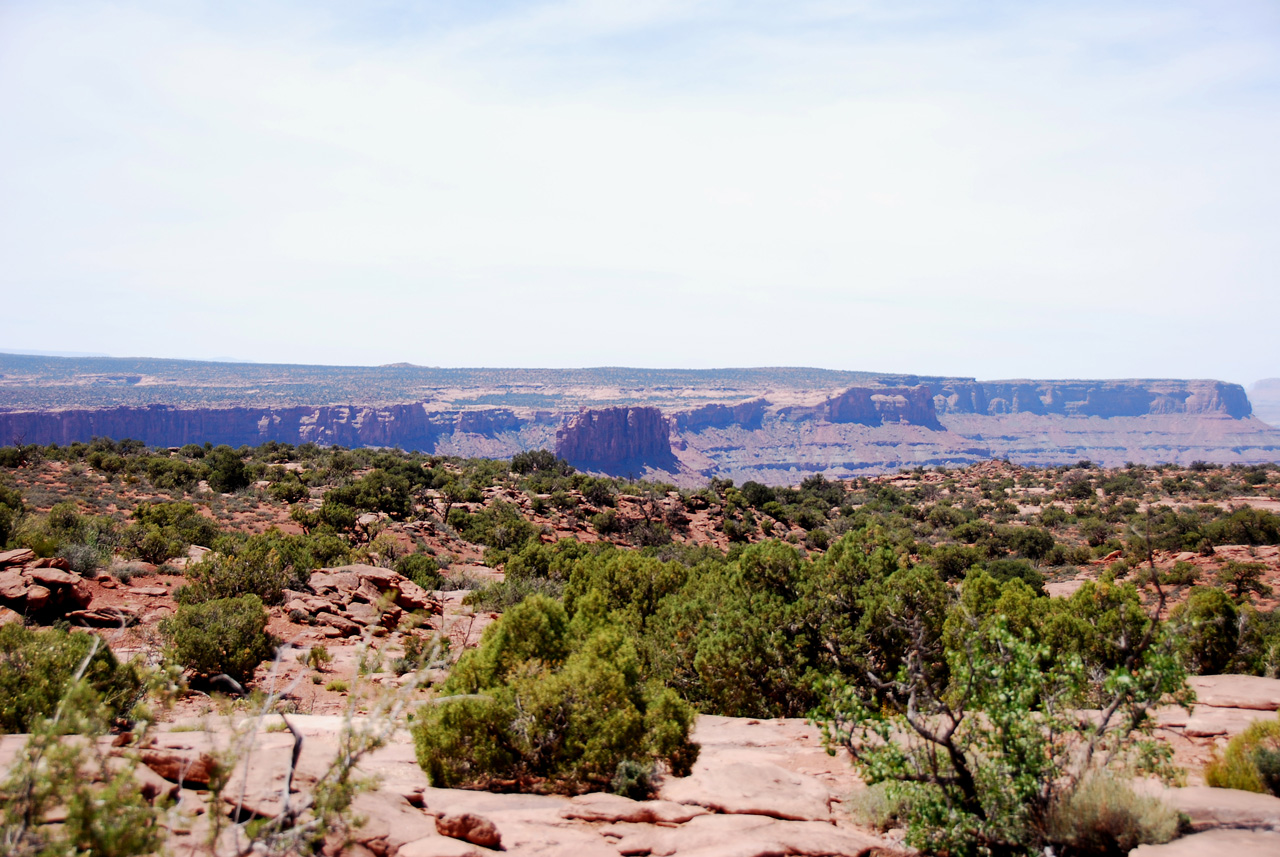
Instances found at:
x=1105 y=816
x=1251 y=762
x=224 y=635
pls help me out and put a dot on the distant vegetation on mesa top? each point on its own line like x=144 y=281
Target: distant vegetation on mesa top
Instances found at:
x=32 y=382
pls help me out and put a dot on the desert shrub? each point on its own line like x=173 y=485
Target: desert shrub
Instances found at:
x=11 y=510
x=1258 y=652
x=227 y=472
x=264 y=565
x=559 y=709
x=499 y=526
x=318 y=657
x=37 y=667
x=1103 y=815
x=1243 y=578
x=1011 y=569
x=992 y=782
x=878 y=806
x=606 y=522
x=376 y=491
x=1031 y=542
x=289 y=491
x=223 y=635
x=633 y=779
x=1251 y=762
x=161 y=531
x=500 y=596
x=540 y=461
x=421 y=569
x=598 y=491
x=1206 y=628
x=1182 y=574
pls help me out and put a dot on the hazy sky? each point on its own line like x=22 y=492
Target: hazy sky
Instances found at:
x=1020 y=189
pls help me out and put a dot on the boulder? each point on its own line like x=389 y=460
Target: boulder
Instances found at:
x=326 y=582
x=342 y=625
x=746 y=836
x=390 y=822
x=469 y=827
x=104 y=617
x=38 y=597
x=1236 y=691
x=13 y=586
x=1208 y=808
x=751 y=788
x=1216 y=843
x=412 y=597
x=1206 y=721
x=20 y=556
x=611 y=808
x=438 y=846
x=51 y=562
x=186 y=767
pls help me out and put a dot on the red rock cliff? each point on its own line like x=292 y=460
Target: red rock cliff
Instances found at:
x=616 y=440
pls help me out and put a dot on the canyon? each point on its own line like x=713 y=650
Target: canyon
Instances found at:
x=770 y=425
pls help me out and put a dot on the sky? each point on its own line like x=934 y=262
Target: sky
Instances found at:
x=998 y=189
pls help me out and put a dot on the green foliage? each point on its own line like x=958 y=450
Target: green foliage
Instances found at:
x=64 y=766
x=11 y=511
x=1206 y=628
x=540 y=461
x=1103 y=815
x=1251 y=762
x=500 y=526
x=264 y=565
x=421 y=569
x=1243 y=578
x=376 y=491
x=227 y=472
x=37 y=668
x=224 y=635
x=549 y=707
x=163 y=531
x=990 y=782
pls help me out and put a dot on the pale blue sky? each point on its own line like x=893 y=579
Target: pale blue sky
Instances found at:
x=1021 y=189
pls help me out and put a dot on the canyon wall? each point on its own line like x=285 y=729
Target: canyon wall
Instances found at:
x=872 y=406
x=408 y=426
x=1092 y=398
x=778 y=435
x=617 y=440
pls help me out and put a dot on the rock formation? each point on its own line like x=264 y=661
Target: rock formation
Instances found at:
x=617 y=440
x=872 y=406
x=770 y=425
x=1093 y=398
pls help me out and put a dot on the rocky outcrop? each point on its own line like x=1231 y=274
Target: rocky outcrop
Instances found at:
x=40 y=587
x=746 y=414
x=872 y=406
x=617 y=440
x=1093 y=398
x=346 y=600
